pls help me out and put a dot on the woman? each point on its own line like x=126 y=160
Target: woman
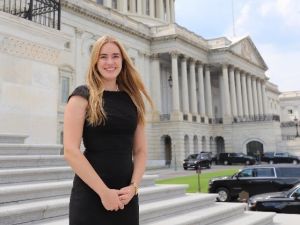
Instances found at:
x=109 y=114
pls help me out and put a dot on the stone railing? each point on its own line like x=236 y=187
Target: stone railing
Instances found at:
x=257 y=118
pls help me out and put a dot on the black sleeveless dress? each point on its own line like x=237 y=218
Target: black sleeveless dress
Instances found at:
x=108 y=148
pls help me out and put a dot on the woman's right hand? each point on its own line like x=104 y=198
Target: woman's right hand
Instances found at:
x=110 y=200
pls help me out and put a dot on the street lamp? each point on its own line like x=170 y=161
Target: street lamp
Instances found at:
x=296 y=123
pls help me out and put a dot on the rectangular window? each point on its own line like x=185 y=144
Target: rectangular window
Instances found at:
x=114 y=4
x=65 y=89
x=147 y=7
x=100 y=2
x=290 y=111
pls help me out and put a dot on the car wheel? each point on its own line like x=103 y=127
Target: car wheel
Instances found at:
x=225 y=162
x=208 y=165
x=184 y=168
x=247 y=162
x=271 y=162
x=295 y=161
x=224 y=195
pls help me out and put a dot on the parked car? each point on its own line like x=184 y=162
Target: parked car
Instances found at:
x=228 y=158
x=280 y=202
x=199 y=160
x=253 y=180
x=279 y=157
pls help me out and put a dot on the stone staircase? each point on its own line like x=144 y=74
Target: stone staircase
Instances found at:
x=35 y=184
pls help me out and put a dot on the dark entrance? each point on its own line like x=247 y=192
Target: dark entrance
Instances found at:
x=220 y=144
x=255 y=149
x=168 y=150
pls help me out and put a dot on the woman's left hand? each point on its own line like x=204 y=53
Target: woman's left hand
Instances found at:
x=126 y=194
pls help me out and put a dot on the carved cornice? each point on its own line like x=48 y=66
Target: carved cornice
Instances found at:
x=107 y=16
x=27 y=49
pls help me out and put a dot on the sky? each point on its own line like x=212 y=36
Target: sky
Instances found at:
x=273 y=25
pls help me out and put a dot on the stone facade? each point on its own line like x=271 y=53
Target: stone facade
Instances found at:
x=210 y=95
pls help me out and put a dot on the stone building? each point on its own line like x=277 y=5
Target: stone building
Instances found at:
x=210 y=94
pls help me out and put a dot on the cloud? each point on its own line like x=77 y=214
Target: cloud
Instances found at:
x=282 y=67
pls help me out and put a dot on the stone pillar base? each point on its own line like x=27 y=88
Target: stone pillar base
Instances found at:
x=227 y=120
x=177 y=116
x=155 y=116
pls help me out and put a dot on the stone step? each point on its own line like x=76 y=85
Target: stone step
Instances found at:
x=210 y=214
x=29 y=191
x=20 y=175
x=251 y=218
x=29 y=149
x=16 y=161
x=161 y=192
x=154 y=211
x=33 y=211
x=148 y=180
x=13 y=138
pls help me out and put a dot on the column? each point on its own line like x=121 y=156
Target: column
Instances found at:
x=264 y=97
x=172 y=11
x=226 y=90
x=185 y=93
x=132 y=6
x=107 y=3
x=175 y=88
x=255 y=100
x=152 y=8
x=201 y=90
x=168 y=12
x=245 y=95
x=208 y=100
x=232 y=91
x=239 y=93
x=123 y=4
x=250 y=95
x=193 y=87
x=155 y=81
x=260 y=100
x=139 y=7
x=160 y=9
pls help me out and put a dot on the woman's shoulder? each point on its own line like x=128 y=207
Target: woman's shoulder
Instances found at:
x=82 y=91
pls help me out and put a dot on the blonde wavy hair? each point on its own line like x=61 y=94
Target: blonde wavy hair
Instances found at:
x=128 y=80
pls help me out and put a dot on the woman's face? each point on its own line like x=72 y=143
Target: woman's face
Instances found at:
x=110 y=61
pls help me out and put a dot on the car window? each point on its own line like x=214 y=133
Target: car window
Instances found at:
x=246 y=173
x=288 y=172
x=264 y=172
x=193 y=156
x=296 y=191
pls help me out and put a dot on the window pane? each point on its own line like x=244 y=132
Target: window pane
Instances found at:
x=65 y=89
x=100 y=2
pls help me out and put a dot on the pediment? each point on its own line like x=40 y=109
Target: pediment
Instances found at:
x=246 y=49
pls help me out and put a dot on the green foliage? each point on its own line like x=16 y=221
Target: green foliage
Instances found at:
x=192 y=181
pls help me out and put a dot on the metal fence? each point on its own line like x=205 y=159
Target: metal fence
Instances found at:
x=45 y=12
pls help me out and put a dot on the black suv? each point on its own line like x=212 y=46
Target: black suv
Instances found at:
x=228 y=158
x=254 y=180
x=279 y=157
x=195 y=161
